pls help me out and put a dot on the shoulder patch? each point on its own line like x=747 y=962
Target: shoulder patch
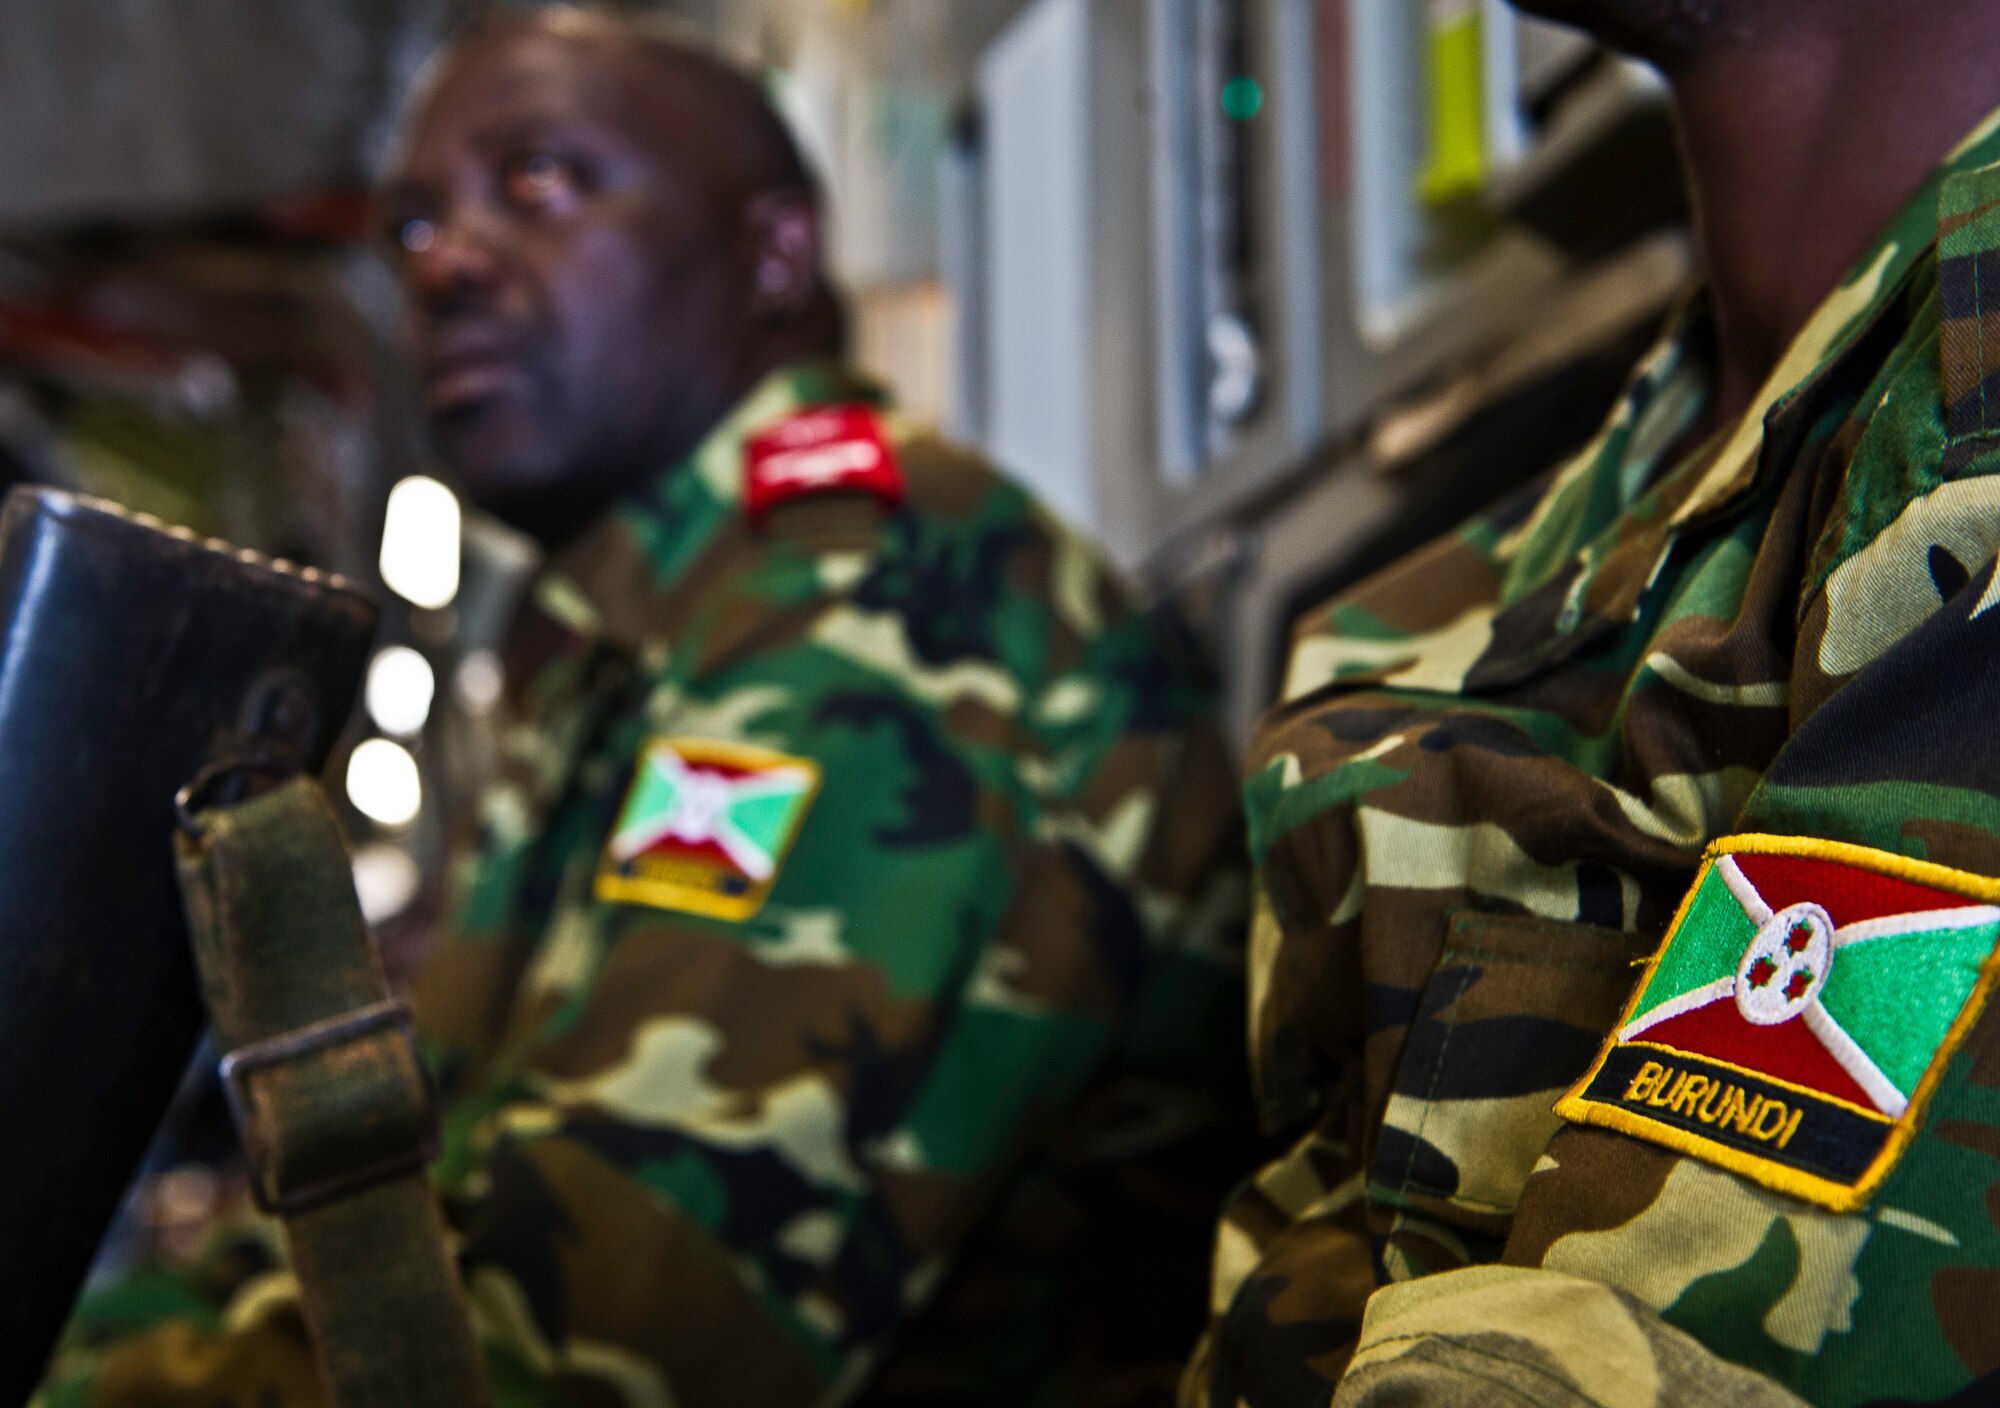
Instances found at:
x=705 y=827
x=821 y=450
x=1798 y=1014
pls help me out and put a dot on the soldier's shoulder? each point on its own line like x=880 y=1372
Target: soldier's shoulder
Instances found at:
x=956 y=492
x=1032 y=590
x=933 y=457
x=956 y=487
x=1415 y=625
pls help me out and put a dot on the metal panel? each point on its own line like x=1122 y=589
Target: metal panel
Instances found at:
x=1033 y=88
x=1283 y=257
x=1438 y=458
x=962 y=269
x=1119 y=314
x=1175 y=246
x=130 y=107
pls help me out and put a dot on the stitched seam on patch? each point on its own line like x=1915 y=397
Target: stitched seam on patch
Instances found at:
x=1434 y=1207
x=1563 y=965
x=1430 y=1092
x=1979 y=322
x=1797 y=1183
x=1528 y=937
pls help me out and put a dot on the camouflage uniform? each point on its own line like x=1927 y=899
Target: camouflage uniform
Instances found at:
x=724 y=1160
x=1476 y=813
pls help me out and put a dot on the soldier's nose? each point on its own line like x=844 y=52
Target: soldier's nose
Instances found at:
x=449 y=261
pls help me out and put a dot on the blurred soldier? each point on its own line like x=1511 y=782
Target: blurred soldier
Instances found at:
x=1629 y=857
x=854 y=818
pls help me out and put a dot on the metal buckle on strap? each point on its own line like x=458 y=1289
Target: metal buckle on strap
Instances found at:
x=240 y=1065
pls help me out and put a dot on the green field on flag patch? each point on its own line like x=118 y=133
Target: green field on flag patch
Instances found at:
x=1707 y=945
x=1898 y=995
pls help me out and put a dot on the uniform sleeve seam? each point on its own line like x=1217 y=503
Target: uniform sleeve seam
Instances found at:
x=1539 y=1371
x=1566 y=965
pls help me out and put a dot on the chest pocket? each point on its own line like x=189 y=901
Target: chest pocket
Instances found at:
x=1513 y=1014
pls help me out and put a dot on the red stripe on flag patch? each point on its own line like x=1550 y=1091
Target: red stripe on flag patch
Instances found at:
x=1848 y=895
x=1787 y=1052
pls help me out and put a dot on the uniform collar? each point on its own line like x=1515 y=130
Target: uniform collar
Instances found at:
x=1572 y=571
x=1937 y=210
x=1612 y=571
x=609 y=581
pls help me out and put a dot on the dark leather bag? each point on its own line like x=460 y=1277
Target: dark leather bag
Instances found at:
x=132 y=657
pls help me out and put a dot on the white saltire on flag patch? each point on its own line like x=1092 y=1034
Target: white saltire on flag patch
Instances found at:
x=705 y=827
x=1799 y=1013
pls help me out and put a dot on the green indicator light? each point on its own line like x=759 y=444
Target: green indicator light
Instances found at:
x=1242 y=98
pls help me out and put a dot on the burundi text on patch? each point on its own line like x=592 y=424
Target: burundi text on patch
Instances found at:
x=1714 y=1100
x=1801 y=1008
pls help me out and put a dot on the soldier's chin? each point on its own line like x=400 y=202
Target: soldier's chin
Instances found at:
x=492 y=453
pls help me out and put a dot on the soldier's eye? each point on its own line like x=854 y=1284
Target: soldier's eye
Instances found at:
x=416 y=236
x=540 y=179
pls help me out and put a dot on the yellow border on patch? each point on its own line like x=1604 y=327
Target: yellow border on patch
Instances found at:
x=1783 y=1178
x=665 y=894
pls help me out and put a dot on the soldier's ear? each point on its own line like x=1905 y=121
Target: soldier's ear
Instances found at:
x=785 y=235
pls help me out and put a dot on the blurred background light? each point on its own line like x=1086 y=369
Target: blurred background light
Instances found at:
x=386 y=879
x=382 y=782
x=478 y=682
x=400 y=689
x=420 y=542
x=1242 y=98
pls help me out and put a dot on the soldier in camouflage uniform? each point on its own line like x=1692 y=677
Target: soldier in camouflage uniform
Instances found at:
x=1627 y=859
x=853 y=819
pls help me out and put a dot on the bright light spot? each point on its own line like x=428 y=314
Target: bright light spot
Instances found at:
x=382 y=783
x=182 y=1204
x=1242 y=98
x=420 y=542
x=478 y=682
x=1235 y=373
x=386 y=879
x=400 y=689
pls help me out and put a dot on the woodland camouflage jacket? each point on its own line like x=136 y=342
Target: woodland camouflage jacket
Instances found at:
x=838 y=846
x=1493 y=780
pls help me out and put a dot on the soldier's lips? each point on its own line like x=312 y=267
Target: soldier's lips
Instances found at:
x=461 y=382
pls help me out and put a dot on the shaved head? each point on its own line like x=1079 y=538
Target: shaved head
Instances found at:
x=746 y=150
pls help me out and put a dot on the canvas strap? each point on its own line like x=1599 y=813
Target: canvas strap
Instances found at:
x=330 y=1098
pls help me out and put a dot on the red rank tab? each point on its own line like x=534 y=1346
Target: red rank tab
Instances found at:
x=818 y=451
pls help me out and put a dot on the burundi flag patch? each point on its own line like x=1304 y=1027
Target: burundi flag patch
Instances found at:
x=705 y=827
x=1803 y=1004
